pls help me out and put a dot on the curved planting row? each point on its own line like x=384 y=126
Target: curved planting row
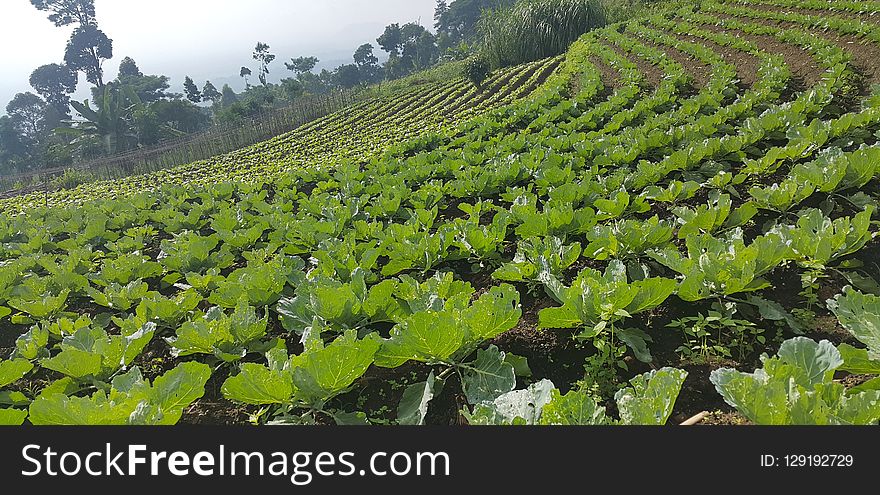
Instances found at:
x=684 y=193
x=355 y=133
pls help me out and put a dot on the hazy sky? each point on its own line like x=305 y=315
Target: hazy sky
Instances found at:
x=206 y=39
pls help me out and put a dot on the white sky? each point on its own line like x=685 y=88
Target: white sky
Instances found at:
x=206 y=39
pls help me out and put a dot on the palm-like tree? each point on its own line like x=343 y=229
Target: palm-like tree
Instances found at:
x=111 y=120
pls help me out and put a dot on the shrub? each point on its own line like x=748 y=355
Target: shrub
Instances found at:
x=476 y=70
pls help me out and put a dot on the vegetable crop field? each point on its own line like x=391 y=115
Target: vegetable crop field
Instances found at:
x=676 y=216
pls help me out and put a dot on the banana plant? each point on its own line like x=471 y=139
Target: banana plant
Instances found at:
x=111 y=120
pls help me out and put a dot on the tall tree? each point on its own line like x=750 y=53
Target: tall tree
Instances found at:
x=457 y=21
x=292 y=88
x=26 y=112
x=13 y=152
x=88 y=46
x=411 y=47
x=262 y=55
x=149 y=88
x=367 y=63
x=391 y=40
x=348 y=76
x=422 y=50
x=128 y=68
x=55 y=83
x=210 y=93
x=441 y=10
x=245 y=72
x=228 y=96
x=67 y=12
x=301 y=65
x=86 y=51
x=192 y=91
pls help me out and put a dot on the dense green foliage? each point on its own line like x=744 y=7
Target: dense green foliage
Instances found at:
x=535 y=29
x=403 y=245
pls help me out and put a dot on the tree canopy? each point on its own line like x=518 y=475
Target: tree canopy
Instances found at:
x=301 y=65
x=55 y=83
x=262 y=55
x=86 y=51
x=67 y=12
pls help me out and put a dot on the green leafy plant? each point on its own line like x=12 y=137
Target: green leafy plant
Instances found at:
x=721 y=267
x=817 y=241
x=476 y=70
x=596 y=302
x=261 y=283
x=539 y=260
x=627 y=239
x=90 y=352
x=796 y=387
x=306 y=381
x=716 y=215
x=130 y=400
x=860 y=315
x=227 y=337
x=718 y=334
x=648 y=400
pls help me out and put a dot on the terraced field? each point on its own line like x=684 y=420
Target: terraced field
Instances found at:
x=356 y=133
x=680 y=195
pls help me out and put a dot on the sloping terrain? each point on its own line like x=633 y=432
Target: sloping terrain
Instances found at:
x=685 y=191
x=356 y=133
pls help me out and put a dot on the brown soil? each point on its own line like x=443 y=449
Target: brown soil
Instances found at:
x=217 y=413
x=800 y=62
x=609 y=75
x=873 y=17
x=546 y=71
x=696 y=68
x=865 y=54
x=724 y=418
x=746 y=64
x=551 y=354
x=652 y=73
x=850 y=381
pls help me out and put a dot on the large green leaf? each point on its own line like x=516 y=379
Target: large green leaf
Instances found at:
x=650 y=398
x=815 y=362
x=323 y=373
x=74 y=363
x=488 y=377
x=413 y=406
x=259 y=385
x=573 y=408
x=519 y=407
x=427 y=336
x=13 y=370
x=858 y=360
x=174 y=391
x=493 y=313
x=12 y=417
x=760 y=400
x=637 y=340
x=860 y=314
